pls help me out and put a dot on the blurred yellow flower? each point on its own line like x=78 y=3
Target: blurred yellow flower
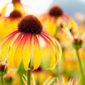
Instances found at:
x=71 y=65
x=56 y=19
x=70 y=53
x=30 y=45
x=49 y=20
x=9 y=23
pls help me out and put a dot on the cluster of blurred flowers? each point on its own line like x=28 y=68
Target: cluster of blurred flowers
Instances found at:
x=45 y=50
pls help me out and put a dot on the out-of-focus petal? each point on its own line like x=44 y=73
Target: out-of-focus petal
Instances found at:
x=55 y=51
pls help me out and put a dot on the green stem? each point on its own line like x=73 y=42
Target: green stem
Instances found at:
x=81 y=69
x=9 y=81
x=1 y=78
x=28 y=76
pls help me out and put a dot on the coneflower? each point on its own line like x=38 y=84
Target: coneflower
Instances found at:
x=30 y=45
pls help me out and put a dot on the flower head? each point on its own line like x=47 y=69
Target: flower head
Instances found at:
x=30 y=45
x=77 y=43
x=49 y=20
x=56 y=11
x=9 y=19
x=10 y=23
x=30 y=24
x=15 y=14
x=56 y=19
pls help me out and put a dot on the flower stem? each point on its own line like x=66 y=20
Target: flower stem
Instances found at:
x=81 y=69
x=1 y=78
x=28 y=76
x=8 y=82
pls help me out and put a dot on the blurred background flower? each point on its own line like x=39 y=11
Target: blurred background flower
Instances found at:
x=10 y=18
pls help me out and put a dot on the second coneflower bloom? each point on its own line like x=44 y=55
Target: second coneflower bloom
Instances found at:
x=30 y=45
x=10 y=23
x=9 y=20
x=56 y=19
x=49 y=20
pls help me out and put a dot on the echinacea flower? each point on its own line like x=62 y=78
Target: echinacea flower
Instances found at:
x=49 y=20
x=9 y=24
x=56 y=19
x=30 y=45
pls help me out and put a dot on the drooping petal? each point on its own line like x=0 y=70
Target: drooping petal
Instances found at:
x=45 y=52
x=58 y=50
x=51 y=51
x=19 y=51
x=27 y=52
x=12 y=55
x=37 y=52
x=55 y=50
x=5 y=45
